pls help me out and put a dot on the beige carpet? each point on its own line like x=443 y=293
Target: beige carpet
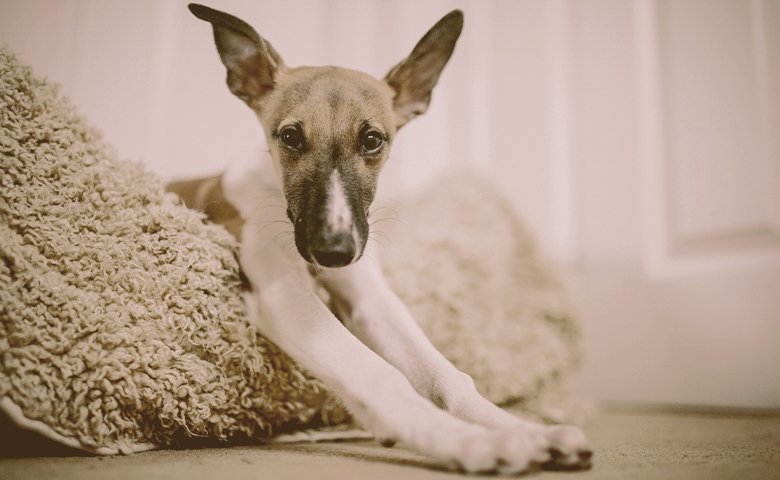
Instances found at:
x=628 y=445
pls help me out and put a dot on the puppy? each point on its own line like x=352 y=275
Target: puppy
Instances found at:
x=329 y=131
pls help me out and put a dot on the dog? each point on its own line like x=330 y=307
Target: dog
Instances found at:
x=329 y=132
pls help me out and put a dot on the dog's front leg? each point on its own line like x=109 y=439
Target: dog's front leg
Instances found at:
x=381 y=398
x=375 y=314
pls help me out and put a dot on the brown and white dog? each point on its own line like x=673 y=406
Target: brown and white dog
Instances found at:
x=329 y=131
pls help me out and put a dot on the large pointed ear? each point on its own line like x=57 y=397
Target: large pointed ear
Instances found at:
x=252 y=63
x=414 y=78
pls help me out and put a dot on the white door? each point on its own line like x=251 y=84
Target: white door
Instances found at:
x=676 y=130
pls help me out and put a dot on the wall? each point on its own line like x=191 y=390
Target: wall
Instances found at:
x=637 y=138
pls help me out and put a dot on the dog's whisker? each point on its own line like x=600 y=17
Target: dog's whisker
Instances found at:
x=383 y=219
x=393 y=212
x=274 y=223
x=288 y=244
x=317 y=268
x=286 y=234
x=377 y=235
x=379 y=232
x=377 y=241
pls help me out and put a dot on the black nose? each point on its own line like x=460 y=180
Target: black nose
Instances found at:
x=335 y=253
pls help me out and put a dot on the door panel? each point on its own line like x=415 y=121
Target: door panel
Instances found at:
x=679 y=280
x=718 y=164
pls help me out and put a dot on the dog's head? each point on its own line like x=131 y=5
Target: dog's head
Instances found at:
x=329 y=129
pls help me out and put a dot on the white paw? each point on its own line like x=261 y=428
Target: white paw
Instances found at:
x=522 y=449
x=511 y=451
x=482 y=450
x=568 y=448
x=476 y=449
x=472 y=452
x=518 y=447
x=530 y=446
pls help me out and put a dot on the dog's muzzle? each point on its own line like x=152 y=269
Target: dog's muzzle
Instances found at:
x=330 y=226
x=322 y=246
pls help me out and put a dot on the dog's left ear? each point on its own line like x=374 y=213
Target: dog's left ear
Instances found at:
x=414 y=78
x=252 y=63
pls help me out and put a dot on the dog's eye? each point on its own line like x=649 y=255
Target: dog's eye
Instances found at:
x=292 y=137
x=371 y=141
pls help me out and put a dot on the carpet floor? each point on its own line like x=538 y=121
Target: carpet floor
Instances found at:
x=627 y=444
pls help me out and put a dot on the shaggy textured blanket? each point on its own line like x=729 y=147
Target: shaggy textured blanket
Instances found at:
x=121 y=321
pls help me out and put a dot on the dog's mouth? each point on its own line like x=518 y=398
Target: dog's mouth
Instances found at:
x=322 y=245
x=330 y=220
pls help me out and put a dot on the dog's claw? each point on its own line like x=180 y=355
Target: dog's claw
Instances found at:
x=387 y=442
x=585 y=455
x=559 y=461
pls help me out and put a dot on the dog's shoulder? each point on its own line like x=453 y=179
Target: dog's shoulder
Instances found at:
x=231 y=197
x=207 y=195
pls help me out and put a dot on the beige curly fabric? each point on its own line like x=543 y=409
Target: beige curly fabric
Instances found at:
x=121 y=321
x=121 y=315
x=468 y=271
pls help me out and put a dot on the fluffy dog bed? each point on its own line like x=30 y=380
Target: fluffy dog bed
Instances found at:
x=121 y=324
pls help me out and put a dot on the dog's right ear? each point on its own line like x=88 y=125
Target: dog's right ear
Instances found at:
x=414 y=78
x=252 y=63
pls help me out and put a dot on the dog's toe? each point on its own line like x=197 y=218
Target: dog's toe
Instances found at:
x=568 y=449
